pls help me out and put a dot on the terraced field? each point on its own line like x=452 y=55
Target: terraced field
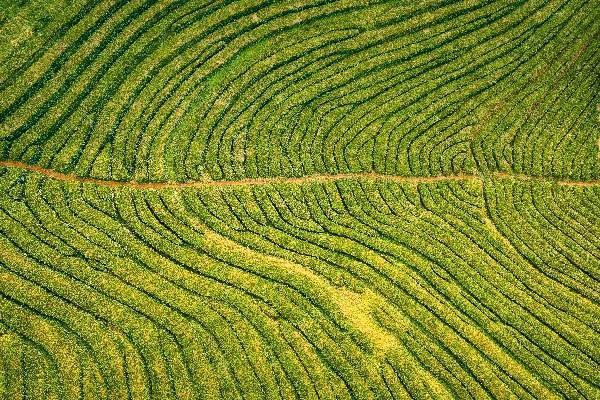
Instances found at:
x=299 y=199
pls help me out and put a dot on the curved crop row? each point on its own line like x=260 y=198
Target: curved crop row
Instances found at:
x=299 y=199
x=177 y=90
x=352 y=289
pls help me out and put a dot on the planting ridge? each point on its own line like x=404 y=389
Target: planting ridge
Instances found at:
x=299 y=199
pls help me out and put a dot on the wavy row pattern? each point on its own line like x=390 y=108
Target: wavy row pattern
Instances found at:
x=350 y=289
x=179 y=90
x=299 y=199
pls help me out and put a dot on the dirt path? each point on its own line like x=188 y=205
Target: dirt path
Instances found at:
x=276 y=180
x=565 y=182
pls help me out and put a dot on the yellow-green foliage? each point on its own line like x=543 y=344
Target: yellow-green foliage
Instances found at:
x=299 y=199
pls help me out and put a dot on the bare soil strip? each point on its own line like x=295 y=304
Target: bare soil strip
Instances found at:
x=278 y=180
x=564 y=182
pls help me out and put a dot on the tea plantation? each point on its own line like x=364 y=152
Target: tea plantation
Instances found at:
x=301 y=199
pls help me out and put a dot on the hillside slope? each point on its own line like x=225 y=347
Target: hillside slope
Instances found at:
x=299 y=199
